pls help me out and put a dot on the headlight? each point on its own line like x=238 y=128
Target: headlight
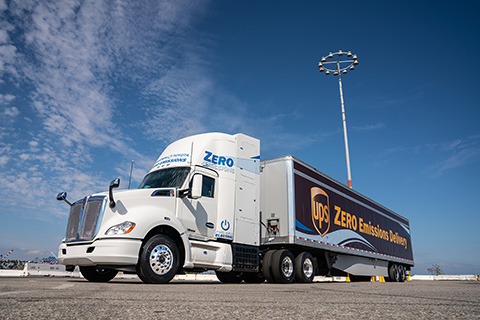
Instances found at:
x=122 y=228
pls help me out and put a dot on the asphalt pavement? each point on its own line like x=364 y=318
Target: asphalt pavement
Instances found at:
x=74 y=298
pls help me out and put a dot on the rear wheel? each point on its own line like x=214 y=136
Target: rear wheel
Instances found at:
x=229 y=277
x=159 y=260
x=402 y=273
x=304 y=268
x=283 y=266
x=393 y=273
x=95 y=274
x=267 y=265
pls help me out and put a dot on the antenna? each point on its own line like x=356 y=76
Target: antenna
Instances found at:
x=53 y=254
x=3 y=258
x=130 y=180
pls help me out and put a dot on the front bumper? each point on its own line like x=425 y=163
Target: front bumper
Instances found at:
x=100 y=252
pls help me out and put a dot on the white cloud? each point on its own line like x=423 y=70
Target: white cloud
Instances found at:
x=8 y=52
x=182 y=101
x=11 y=112
x=3 y=160
x=369 y=127
x=461 y=153
x=7 y=57
x=6 y=98
x=3 y=5
x=74 y=54
x=448 y=155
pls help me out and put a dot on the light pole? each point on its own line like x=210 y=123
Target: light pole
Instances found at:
x=341 y=66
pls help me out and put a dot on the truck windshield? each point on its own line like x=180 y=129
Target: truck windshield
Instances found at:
x=166 y=178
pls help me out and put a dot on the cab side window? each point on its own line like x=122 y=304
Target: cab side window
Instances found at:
x=208 y=187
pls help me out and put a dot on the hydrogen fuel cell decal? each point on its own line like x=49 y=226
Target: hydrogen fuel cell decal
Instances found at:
x=172 y=158
x=332 y=214
x=218 y=162
x=228 y=164
x=225 y=232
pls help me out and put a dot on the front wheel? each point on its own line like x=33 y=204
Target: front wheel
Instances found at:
x=94 y=274
x=159 y=260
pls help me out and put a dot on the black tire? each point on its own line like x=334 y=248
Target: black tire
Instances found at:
x=304 y=268
x=283 y=266
x=402 y=273
x=137 y=268
x=393 y=274
x=229 y=277
x=254 y=277
x=94 y=274
x=267 y=266
x=159 y=260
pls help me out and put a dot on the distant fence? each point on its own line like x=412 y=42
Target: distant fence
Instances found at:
x=58 y=270
x=469 y=277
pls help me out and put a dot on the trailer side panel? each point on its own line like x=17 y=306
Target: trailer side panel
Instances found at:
x=331 y=215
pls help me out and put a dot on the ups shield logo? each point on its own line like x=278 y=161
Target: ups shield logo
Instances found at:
x=320 y=210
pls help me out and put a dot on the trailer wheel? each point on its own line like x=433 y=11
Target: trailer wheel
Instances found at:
x=283 y=266
x=304 y=268
x=94 y=274
x=402 y=273
x=267 y=266
x=393 y=273
x=159 y=260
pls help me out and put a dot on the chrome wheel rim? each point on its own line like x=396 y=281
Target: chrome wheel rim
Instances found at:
x=307 y=268
x=287 y=267
x=397 y=274
x=161 y=259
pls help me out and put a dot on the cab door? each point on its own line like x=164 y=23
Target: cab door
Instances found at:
x=200 y=215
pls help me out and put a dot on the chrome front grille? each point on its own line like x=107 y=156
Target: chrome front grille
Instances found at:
x=85 y=218
x=73 y=220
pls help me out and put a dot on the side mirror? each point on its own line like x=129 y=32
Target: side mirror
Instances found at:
x=62 y=196
x=197 y=186
x=114 y=184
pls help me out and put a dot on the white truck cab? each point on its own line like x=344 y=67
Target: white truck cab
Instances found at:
x=196 y=209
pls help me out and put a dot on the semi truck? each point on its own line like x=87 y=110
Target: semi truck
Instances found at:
x=210 y=203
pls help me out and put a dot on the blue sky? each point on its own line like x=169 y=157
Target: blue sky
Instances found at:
x=88 y=86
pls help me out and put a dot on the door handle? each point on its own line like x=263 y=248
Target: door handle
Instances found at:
x=209 y=225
